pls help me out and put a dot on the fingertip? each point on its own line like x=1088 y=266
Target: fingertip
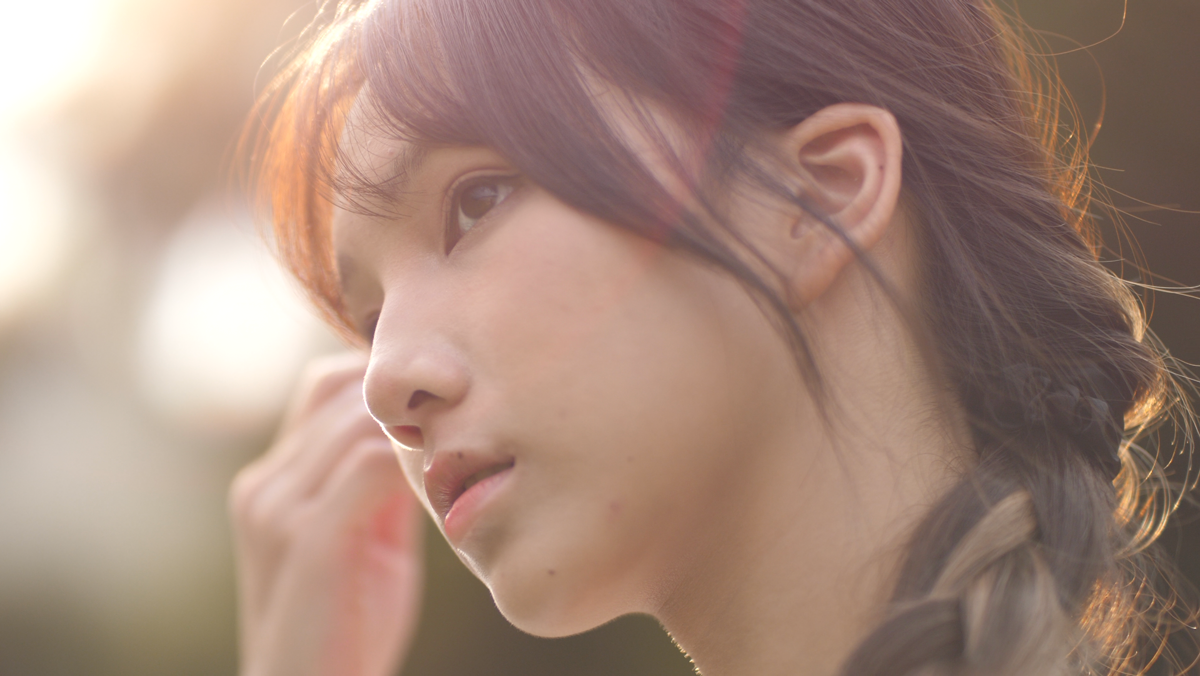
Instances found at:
x=324 y=378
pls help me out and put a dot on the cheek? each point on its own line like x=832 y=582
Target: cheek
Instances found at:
x=606 y=341
x=564 y=298
x=631 y=381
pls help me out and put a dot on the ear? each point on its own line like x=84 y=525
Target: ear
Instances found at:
x=847 y=159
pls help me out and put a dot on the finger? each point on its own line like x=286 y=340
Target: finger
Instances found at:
x=369 y=477
x=369 y=499
x=323 y=378
x=322 y=442
x=266 y=496
x=353 y=579
x=309 y=418
x=283 y=511
x=330 y=428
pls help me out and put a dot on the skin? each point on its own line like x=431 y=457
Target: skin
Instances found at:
x=669 y=458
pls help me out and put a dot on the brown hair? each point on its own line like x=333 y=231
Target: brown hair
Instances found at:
x=1038 y=561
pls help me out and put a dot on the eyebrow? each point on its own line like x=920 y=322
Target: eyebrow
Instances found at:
x=388 y=185
x=405 y=166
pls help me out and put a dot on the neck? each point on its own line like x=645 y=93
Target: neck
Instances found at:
x=796 y=564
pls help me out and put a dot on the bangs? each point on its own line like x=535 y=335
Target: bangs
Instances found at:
x=520 y=77
x=524 y=79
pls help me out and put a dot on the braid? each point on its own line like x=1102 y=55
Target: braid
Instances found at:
x=993 y=609
x=1011 y=619
x=1040 y=560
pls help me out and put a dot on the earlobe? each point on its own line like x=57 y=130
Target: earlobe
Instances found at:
x=847 y=160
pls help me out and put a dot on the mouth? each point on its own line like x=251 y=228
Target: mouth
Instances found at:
x=480 y=476
x=451 y=474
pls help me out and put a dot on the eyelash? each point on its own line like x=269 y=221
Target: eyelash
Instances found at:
x=454 y=230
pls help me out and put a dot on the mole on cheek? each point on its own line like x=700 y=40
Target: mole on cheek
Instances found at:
x=550 y=572
x=614 y=509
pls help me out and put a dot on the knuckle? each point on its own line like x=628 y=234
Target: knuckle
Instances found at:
x=324 y=381
x=243 y=489
x=252 y=511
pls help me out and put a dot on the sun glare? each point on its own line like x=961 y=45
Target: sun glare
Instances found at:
x=225 y=331
x=45 y=49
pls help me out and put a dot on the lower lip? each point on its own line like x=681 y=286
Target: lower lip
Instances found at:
x=467 y=508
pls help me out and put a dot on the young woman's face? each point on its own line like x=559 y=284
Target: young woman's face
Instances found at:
x=579 y=403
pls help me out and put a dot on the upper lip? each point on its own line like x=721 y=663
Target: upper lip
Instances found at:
x=447 y=476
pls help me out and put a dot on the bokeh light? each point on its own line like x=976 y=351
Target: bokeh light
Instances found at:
x=46 y=49
x=224 y=332
x=37 y=228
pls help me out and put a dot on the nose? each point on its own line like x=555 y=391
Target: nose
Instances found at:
x=411 y=380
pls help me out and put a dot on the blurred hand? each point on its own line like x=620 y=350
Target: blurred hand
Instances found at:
x=328 y=538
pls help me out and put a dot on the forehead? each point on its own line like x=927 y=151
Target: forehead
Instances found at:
x=372 y=150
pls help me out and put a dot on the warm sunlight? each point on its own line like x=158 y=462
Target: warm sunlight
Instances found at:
x=224 y=331
x=45 y=50
x=45 y=47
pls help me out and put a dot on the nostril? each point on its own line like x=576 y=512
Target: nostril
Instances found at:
x=419 y=397
x=407 y=435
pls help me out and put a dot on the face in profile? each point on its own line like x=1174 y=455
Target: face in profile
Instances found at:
x=576 y=405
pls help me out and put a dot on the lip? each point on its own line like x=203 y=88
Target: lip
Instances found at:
x=446 y=484
x=467 y=508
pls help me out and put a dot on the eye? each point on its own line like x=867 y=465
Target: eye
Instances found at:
x=472 y=200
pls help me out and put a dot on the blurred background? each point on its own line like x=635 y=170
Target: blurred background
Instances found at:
x=148 y=343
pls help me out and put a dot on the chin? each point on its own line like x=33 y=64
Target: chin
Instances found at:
x=554 y=602
x=541 y=614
